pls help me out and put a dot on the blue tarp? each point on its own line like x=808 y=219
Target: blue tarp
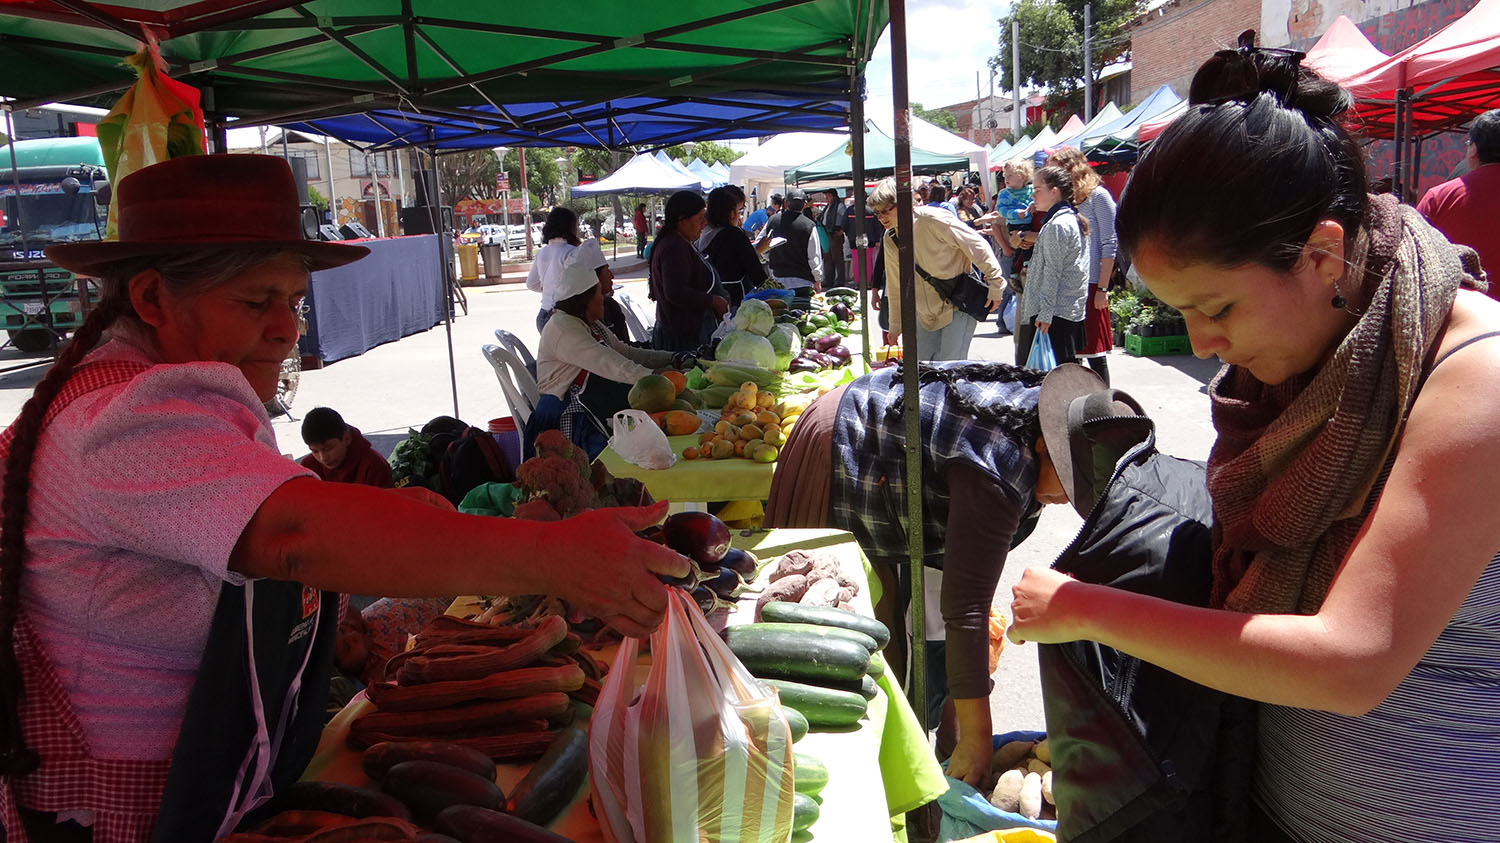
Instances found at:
x=629 y=121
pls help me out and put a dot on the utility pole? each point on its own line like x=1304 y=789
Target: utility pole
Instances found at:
x=1015 y=78
x=974 y=131
x=1088 y=62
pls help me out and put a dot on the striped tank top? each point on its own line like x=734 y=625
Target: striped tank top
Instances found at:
x=1422 y=766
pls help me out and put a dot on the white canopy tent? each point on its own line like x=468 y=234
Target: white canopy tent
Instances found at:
x=926 y=136
x=642 y=174
x=762 y=170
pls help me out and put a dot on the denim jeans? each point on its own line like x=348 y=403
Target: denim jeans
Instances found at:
x=951 y=342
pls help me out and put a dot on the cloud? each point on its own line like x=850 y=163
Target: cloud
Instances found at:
x=947 y=41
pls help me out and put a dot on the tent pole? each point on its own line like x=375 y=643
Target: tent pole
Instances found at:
x=861 y=237
x=910 y=355
x=1399 y=171
x=435 y=215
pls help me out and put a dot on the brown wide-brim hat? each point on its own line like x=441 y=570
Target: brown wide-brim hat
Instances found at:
x=205 y=202
x=1088 y=427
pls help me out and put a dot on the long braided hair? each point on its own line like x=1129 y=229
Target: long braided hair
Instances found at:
x=1021 y=424
x=184 y=274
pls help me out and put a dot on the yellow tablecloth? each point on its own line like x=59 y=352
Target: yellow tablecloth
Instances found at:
x=697 y=480
x=876 y=772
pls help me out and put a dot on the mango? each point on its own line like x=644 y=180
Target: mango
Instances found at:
x=652 y=393
x=723 y=449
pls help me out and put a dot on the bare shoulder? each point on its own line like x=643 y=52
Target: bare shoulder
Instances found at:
x=1458 y=401
x=1474 y=314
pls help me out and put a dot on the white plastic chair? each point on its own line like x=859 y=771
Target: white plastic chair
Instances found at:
x=513 y=344
x=636 y=319
x=517 y=385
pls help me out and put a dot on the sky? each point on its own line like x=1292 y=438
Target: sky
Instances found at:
x=947 y=40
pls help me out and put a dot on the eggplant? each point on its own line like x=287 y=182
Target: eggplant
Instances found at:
x=843 y=312
x=697 y=535
x=743 y=562
x=707 y=600
x=841 y=353
x=828 y=342
x=727 y=583
x=802 y=364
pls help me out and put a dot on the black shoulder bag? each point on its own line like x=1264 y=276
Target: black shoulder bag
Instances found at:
x=967 y=291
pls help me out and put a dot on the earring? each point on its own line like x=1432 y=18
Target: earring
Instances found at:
x=1338 y=301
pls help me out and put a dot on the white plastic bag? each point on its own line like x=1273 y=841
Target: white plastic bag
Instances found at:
x=701 y=751
x=639 y=441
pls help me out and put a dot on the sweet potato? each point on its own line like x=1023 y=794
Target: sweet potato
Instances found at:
x=824 y=592
x=1009 y=755
x=789 y=589
x=793 y=563
x=1047 y=789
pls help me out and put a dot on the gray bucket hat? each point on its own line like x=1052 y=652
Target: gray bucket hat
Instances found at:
x=1088 y=427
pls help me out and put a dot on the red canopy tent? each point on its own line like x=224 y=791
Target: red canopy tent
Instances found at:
x=1435 y=85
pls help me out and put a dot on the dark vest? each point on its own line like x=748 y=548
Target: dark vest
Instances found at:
x=789 y=260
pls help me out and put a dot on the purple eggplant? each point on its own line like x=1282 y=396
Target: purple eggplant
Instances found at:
x=742 y=561
x=802 y=364
x=825 y=343
x=726 y=583
x=841 y=353
x=843 y=312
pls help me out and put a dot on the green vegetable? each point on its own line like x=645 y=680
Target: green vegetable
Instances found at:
x=747 y=347
x=715 y=397
x=797 y=721
x=789 y=654
x=841 y=292
x=877 y=665
x=864 y=686
x=734 y=374
x=812 y=630
x=754 y=316
x=806 y=327
x=810 y=776
x=804 y=812
x=553 y=780
x=784 y=612
x=822 y=706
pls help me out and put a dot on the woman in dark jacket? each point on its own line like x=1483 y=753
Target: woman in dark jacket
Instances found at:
x=682 y=282
x=726 y=245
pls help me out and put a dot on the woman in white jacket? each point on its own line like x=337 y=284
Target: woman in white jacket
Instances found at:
x=1057 y=279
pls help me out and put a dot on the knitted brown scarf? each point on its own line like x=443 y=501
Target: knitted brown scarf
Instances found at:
x=1293 y=469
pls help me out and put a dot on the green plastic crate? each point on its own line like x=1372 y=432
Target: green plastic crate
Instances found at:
x=1157 y=346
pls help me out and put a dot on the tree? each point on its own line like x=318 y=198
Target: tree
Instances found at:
x=471 y=174
x=710 y=152
x=1052 y=43
x=936 y=116
x=317 y=200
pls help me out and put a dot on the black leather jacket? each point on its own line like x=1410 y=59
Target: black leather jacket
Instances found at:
x=1139 y=753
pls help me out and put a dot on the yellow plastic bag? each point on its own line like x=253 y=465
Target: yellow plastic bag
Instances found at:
x=157 y=119
x=1012 y=835
x=701 y=751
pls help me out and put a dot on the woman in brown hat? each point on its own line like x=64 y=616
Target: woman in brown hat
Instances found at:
x=166 y=576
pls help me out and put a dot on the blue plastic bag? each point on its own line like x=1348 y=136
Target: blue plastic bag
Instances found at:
x=967 y=812
x=1008 y=315
x=1041 y=357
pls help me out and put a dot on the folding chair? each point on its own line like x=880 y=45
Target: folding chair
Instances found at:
x=638 y=321
x=518 y=387
x=513 y=344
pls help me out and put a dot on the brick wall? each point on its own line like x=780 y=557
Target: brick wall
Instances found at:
x=1167 y=45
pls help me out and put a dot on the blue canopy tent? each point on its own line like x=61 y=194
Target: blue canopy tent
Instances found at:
x=1115 y=142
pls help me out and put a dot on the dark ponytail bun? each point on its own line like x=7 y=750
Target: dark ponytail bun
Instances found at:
x=1267 y=135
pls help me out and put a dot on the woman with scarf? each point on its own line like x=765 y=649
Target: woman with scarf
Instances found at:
x=1356 y=583
x=167 y=577
x=1057 y=278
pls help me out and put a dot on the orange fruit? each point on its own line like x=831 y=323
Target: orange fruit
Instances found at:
x=690 y=453
x=678 y=379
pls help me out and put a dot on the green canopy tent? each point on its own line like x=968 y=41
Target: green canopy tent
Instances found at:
x=880 y=160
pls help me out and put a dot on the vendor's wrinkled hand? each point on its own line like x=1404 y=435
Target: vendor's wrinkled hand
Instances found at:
x=423 y=495
x=1038 y=608
x=970 y=762
x=612 y=574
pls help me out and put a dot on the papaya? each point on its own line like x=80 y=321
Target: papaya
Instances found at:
x=652 y=393
x=680 y=422
x=680 y=404
x=678 y=379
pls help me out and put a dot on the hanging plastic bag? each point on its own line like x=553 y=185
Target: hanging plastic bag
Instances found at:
x=1041 y=357
x=157 y=119
x=701 y=751
x=1008 y=315
x=639 y=441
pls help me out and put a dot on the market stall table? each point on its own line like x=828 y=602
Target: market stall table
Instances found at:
x=878 y=771
x=396 y=291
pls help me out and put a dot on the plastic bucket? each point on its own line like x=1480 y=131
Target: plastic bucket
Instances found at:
x=508 y=437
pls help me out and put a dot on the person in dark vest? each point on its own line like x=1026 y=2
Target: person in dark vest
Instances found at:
x=340 y=453
x=798 y=262
x=167 y=614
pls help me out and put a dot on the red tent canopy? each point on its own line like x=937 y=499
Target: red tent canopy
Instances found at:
x=1343 y=52
x=1452 y=76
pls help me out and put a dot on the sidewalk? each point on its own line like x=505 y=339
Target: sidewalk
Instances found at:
x=514 y=272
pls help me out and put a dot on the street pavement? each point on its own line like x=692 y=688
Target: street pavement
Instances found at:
x=403 y=384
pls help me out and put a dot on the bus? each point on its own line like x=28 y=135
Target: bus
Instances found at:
x=56 y=190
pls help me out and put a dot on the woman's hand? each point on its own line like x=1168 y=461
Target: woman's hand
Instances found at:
x=612 y=573
x=1101 y=298
x=1038 y=608
x=424 y=495
x=991 y=304
x=719 y=305
x=1042 y=327
x=970 y=761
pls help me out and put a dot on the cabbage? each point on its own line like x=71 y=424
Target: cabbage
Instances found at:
x=786 y=341
x=754 y=316
x=745 y=347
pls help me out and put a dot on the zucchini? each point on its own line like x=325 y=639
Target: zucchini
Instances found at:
x=792 y=654
x=472 y=824
x=810 y=776
x=428 y=787
x=797 y=721
x=812 y=630
x=877 y=665
x=553 y=780
x=783 y=612
x=839 y=292
x=344 y=799
x=864 y=686
x=383 y=756
x=821 y=706
x=804 y=812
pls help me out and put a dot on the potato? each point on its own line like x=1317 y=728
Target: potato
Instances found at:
x=794 y=562
x=1031 y=796
x=1007 y=793
x=1010 y=754
x=1047 y=789
x=789 y=588
x=1036 y=765
x=1043 y=752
